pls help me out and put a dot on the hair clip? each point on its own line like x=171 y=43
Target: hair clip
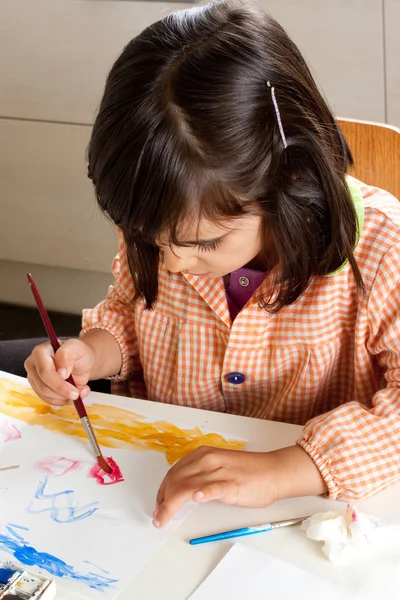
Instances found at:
x=278 y=114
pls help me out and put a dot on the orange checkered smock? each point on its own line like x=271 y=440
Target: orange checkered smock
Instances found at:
x=330 y=361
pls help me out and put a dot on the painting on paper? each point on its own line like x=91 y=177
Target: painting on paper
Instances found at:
x=60 y=514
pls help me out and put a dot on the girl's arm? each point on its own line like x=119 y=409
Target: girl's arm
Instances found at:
x=108 y=359
x=356 y=448
x=108 y=346
x=254 y=479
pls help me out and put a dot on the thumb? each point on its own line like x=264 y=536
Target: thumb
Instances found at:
x=66 y=356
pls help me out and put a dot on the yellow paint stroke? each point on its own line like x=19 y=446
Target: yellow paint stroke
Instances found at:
x=114 y=427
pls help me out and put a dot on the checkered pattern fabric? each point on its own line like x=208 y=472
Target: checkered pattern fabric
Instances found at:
x=330 y=361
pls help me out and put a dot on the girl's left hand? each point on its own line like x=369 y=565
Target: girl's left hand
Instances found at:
x=254 y=479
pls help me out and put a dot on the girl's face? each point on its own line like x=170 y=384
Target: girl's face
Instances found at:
x=214 y=250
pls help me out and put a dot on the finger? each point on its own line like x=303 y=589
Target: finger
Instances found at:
x=44 y=392
x=74 y=357
x=83 y=390
x=175 y=497
x=168 y=481
x=201 y=460
x=48 y=395
x=172 y=504
x=161 y=493
x=224 y=491
x=41 y=355
x=182 y=471
x=176 y=473
x=172 y=478
x=41 y=364
x=49 y=378
x=64 y=359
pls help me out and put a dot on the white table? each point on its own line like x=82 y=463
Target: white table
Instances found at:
x=178 y=568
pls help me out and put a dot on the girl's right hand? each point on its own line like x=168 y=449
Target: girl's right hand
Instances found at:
x=47 y=371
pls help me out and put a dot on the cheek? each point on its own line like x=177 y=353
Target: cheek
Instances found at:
x=249 y=247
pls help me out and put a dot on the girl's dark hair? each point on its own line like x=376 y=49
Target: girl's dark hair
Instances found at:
x=187 y=129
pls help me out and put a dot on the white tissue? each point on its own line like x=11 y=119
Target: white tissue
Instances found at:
x=349 y=534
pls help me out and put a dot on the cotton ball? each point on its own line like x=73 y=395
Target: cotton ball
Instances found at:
x=348 y=535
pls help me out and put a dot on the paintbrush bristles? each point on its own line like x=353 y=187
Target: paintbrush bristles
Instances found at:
x=103 y=464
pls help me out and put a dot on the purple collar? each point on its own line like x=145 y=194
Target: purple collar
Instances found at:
x=242 y=285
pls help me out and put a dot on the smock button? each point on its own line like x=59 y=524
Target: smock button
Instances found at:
x=244 y=281
x=235 y=378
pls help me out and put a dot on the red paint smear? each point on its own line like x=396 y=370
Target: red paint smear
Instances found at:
x=58 y=465
x=107 y=478
x=10 y=432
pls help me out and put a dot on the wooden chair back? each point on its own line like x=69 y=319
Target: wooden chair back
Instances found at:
x=376 y=152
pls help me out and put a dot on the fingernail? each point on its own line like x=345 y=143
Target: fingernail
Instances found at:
x=198 y=495
x=156 y=523
x=73 y=395
x=84 y=392
x=62 y=373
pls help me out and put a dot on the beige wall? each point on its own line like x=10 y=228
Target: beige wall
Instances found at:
x=59 y=51
x=392 y=47
x=55 y=57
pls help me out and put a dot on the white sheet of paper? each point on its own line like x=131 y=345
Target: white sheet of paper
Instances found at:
x=54 y=516
x=248 y=573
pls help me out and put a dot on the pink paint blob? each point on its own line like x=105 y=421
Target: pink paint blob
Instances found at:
x=9 y=432
x=58 y=465
x=351 y=514
x=104 y=478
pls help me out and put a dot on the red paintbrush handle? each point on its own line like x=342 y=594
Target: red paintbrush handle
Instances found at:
x=43 y=313
x=80 y=407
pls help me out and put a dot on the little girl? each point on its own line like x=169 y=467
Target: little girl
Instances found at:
x=253 y=276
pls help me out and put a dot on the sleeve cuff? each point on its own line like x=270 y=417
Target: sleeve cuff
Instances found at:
x=118 y=335
x=323 y=466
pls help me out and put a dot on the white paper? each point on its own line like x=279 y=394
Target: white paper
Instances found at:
x=245 y=573
x=382 y=581
x=56 y=519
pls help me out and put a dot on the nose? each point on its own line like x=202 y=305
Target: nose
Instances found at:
x=176 y=263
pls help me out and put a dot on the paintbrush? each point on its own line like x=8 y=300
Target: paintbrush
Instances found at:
x=233 y=533
x=80 y=407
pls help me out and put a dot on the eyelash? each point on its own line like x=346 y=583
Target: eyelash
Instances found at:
x=209 y=247
x=204 y=247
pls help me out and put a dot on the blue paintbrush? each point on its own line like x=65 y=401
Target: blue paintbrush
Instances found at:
x=225 y=535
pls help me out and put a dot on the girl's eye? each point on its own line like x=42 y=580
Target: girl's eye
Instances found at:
x=209 y=247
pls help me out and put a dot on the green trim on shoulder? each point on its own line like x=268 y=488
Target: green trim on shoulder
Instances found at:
x=358 y=202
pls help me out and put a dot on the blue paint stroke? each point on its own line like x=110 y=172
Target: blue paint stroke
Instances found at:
x=27 y=555
x=61 y=505
x=18 y=526
x=97 y=566
x=14 y=533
